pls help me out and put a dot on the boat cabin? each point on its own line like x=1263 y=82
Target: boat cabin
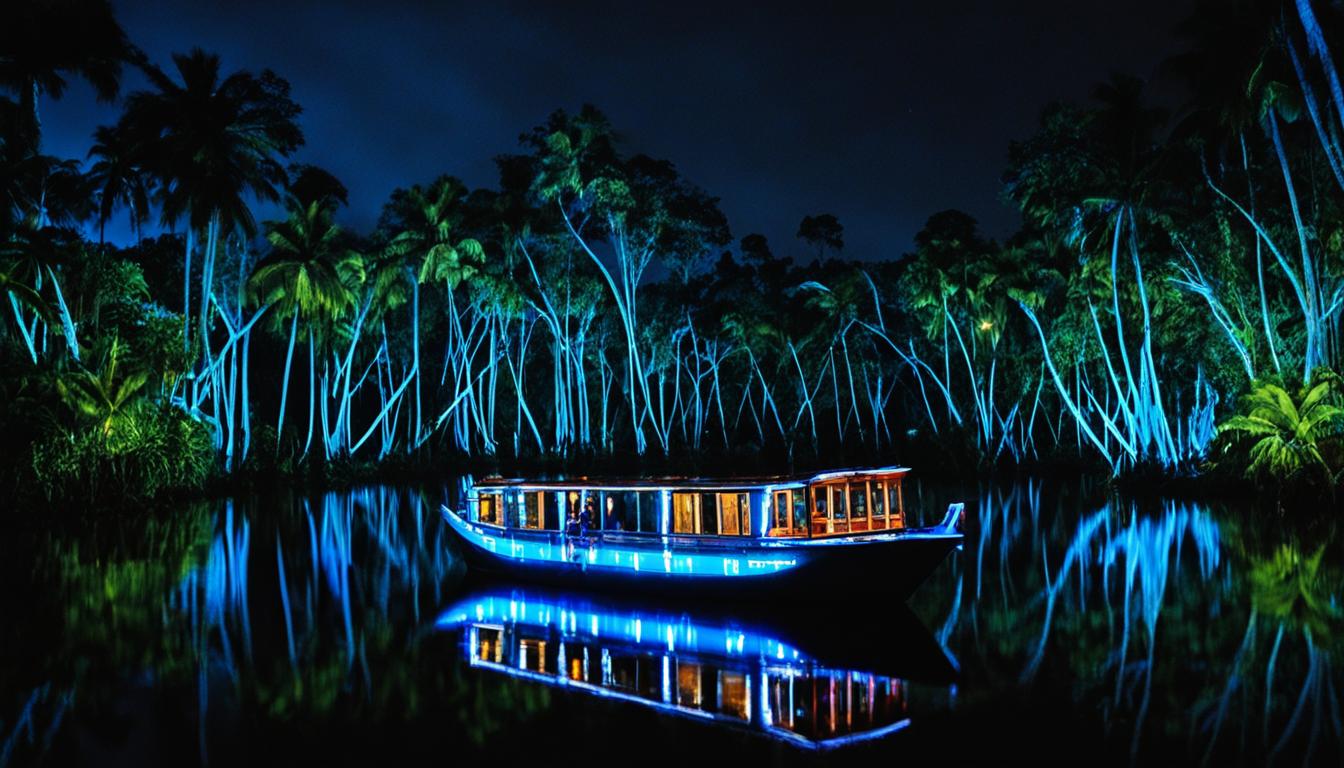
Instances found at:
x=839 y=503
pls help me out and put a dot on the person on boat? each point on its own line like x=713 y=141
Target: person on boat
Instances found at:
x=586 y=521
x=613 y=517
x=586 y=518
x=573 y=533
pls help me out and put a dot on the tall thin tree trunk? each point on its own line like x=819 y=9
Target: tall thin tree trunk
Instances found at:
x=284 y=387
x=186 y=288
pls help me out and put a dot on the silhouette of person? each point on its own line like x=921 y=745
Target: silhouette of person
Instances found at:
x=573 y=531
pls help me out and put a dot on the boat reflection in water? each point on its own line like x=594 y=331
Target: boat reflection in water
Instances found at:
x=703 y=667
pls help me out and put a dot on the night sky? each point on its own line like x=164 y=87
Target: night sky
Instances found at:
x=879 y=118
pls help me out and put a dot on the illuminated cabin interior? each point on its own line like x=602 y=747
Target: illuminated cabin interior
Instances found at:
x=830 y=504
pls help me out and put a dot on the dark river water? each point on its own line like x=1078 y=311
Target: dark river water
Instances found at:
x=1073 y=626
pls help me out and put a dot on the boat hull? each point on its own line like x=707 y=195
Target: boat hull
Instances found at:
x=888 y=566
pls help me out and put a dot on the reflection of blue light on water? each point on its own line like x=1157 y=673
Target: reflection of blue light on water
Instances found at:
x=632 y=627
x=520 y=630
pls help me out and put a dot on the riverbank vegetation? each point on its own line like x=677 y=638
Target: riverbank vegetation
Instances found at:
x=1170 y=305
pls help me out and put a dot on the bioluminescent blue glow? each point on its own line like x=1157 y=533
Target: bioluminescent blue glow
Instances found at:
x=618 y=557
x=716 y=671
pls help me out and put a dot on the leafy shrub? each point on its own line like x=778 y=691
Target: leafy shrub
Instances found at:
x=1284 y=435
x=151 y=450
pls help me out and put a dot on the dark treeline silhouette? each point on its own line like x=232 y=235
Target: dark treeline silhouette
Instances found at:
x=1171 y=302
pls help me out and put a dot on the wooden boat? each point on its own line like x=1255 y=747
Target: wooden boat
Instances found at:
x=746 y=676
x=836 y=534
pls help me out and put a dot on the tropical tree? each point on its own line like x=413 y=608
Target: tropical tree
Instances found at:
x=45 y=41
x=305 y=276
x=36 y=256
x=422 y=223
x=823 y=232
x=209 y=141
x=117 y=178
x=105 y=394
x=638 y=208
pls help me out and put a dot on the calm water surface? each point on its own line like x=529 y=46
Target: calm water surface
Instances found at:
x=1073 y=625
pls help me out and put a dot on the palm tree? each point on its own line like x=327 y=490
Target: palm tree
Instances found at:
x=1231 y=45
x=422 y=222
x=35 y=256
x=36 y=190
x=117 y=178
x=209 y=141
x=1291 y=434
x=104 y=394
x=46 y=41
x=304 y=276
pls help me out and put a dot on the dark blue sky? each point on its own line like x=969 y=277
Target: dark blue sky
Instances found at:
x=881 y=118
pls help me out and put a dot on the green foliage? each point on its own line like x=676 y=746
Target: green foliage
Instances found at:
x=310 y=270
x=595 y=290
x=103 y=395
x=1297 y=589
x=151 y=449
x=1283 y=435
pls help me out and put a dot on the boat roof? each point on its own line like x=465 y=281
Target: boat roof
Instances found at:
x=688 y=482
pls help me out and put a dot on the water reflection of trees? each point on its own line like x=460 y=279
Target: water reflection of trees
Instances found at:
x=1185 y=628
x=1176 y=628
x=295 y=612
x=340 y=586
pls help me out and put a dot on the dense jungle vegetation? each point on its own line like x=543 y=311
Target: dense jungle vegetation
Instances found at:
x=1171 y=305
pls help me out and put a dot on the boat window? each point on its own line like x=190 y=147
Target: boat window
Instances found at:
x=489 y=643
x=858 y=501
x=648 y=511
x=735 y=513
x=728 y=513
x=820 y=510
x=534 y=510
x=532 y=655
x=685 y=511
x=734 y=694
x=689 y=685
x=637 y=674
x=894 y=505
x=622 y=512
x=709 y=515
x=780 y=509
x=839 y=509
x=552 y=510
x=799 y=511
x=513 y=508
x=878 y=508
x=583 y=663
x=487 y=509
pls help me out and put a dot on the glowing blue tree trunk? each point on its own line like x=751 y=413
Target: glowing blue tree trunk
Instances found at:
x=284 y=383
